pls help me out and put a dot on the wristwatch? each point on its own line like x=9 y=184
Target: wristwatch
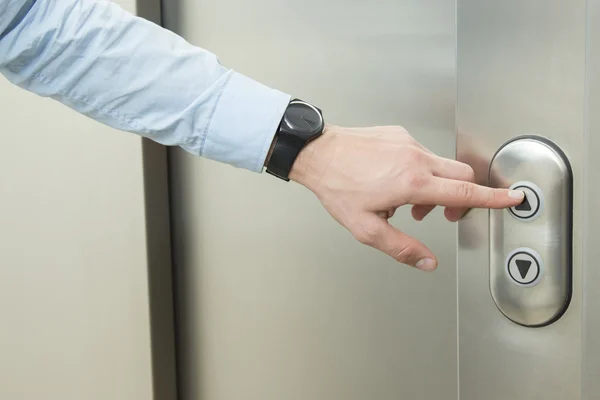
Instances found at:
x=301 y=123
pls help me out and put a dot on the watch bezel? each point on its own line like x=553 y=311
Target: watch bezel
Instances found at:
x=308 y=134
x=289 y=142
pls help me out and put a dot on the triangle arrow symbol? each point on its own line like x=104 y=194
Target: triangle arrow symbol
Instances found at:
x=523 y=266
x=524 y=206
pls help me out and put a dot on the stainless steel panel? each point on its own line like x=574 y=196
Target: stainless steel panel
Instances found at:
x=520 y=68
x=591 y=190
x=537 y=292
x=275 y=300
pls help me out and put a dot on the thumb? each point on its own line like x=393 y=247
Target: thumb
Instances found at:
x=379 y=234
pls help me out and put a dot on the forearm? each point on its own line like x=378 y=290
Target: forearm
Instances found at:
x=135 y=76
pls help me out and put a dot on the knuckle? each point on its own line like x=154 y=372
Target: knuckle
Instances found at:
x=405 y=254
x=470 y=173
x=411 y=155
x=417 y=180
x=466 y=190
x=367 y=234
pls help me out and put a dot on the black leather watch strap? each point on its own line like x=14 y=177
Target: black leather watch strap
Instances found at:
x=286 y=150
x=301 y=123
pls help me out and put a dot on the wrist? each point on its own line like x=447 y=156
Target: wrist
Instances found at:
x=313 y=159
x=302 y=123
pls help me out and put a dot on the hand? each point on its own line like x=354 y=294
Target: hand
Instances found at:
x=362 y=175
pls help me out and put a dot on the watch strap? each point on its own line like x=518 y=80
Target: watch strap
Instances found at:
x=284 y=154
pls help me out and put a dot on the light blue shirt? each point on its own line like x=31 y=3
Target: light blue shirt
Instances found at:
x=135 y=76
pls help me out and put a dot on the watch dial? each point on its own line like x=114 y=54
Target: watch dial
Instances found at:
x=303 y=119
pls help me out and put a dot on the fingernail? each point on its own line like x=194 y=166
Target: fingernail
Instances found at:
x=426 y=264
x=516 y=194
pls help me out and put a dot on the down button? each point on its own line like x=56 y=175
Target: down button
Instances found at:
x=524 y=266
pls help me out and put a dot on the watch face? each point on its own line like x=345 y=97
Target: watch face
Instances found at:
x=303 y=119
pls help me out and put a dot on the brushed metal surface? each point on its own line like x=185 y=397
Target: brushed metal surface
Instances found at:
x=520 y=69
x=275 y=300
x=591 y=189
x=537 y=162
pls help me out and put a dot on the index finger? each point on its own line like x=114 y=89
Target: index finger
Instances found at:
x=455 y=193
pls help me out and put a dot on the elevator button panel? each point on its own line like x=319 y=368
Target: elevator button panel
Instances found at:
x=530 y=244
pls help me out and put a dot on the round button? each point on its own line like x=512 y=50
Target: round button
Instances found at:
x=524 y=266
x=532 y=204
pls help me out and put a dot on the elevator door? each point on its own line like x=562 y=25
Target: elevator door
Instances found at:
x=275 y=300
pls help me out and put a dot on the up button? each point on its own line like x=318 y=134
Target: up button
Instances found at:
x=532 y=204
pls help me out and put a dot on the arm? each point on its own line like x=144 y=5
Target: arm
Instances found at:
x=135 y=76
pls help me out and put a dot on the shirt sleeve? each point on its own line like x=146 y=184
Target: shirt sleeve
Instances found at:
x=133 y=75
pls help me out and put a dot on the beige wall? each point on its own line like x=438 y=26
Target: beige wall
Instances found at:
x=74 y=277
